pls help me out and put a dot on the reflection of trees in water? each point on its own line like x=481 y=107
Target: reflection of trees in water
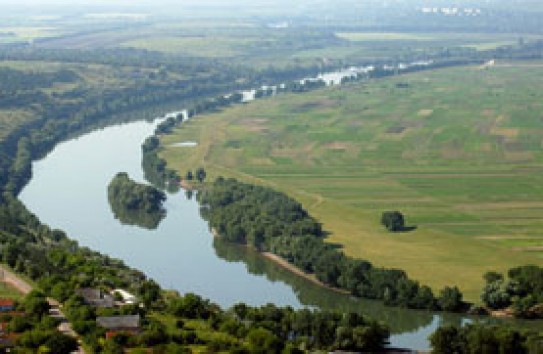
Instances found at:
x=141 y=218
x=399 y=320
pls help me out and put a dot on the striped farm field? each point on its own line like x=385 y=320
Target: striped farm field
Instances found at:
x=459 y=151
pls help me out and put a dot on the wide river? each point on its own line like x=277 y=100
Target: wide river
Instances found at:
x=68 y=191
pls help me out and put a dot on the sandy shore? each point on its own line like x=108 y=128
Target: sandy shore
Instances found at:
x=293 y=269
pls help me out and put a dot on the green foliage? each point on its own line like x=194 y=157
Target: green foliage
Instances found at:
x=135 y=196
x=149 y=292
x=450 y=299
x=134 y=203
x=200 y=174
x=191 y=306
x=477 y=338
x=523 y=290
x=53 y=340
x=262 y=340
x=495 y=295
x=270 y=221
x=35 y=304
x=393 y=221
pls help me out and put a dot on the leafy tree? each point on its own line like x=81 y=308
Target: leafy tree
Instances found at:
x=149 y=292
x=491 y=277
x=35 y=304
x=61 y=343
x=393 y=221
x=495 y=295
x=200 y=174
x=263 y=341
x=447 y=340
x=450 y=299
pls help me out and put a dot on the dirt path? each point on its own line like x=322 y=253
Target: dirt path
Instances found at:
x=65 y=327
x=18 y=283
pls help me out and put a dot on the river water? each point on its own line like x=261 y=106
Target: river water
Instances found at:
x=68 y=191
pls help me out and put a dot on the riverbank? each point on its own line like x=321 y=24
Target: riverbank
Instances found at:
x=293 y=269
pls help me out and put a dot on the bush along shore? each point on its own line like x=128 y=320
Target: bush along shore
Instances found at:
x=270 y=221
x=279 y=227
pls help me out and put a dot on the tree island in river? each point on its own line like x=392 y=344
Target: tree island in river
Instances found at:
x=135 y=203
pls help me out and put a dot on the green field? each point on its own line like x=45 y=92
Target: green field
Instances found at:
x=26 y=34
x=458 y=150
x=9 y=292
x=423 y=41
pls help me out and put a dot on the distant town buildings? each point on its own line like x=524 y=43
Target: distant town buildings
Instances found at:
x=452 y=11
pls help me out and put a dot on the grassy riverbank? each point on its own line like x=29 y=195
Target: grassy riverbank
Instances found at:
x=457 y=150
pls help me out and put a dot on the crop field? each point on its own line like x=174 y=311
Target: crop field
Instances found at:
x=458 y=151
x=266 y=46
x=478 y=41
x=200 y=46
x=25 y=34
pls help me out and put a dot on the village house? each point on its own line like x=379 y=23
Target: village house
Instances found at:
x=115 y=324
x=7 y=305
x=96 y=298
x=128 y=299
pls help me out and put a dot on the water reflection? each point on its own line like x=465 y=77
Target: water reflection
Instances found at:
x=309 y=294
x=141 y=218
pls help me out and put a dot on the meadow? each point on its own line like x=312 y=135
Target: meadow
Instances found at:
x=7 y=291
x=457 y=150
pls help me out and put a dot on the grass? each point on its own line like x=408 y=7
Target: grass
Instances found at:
x=478 y=41
x=200 y=46
x=458 y=152
x=383 y=36
x=9 y=292
x=202 y=329
x=22 y=33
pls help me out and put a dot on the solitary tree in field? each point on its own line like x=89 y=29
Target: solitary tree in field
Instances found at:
x=200 y=174
x=393 y=221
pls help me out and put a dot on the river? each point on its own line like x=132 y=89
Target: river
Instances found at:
x=68 y=191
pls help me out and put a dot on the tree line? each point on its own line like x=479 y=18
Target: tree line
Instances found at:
x=522 y=291
x=480 y=338
x=270 y=221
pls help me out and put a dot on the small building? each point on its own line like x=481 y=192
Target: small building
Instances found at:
x=113 y=324
x=7 y=305
x=96 y=298
x=128 y=298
